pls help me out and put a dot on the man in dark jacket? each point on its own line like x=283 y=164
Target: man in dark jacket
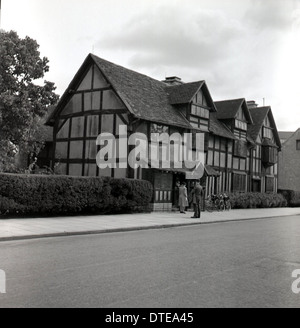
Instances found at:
x=197 y=194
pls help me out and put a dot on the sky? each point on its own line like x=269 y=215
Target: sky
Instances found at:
x=242 y=48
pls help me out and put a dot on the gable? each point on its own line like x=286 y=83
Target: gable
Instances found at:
x=201 y=99
x=234 y=109
x=264 y=125
x=92 y=94
x=240 y=115
x=93 y=79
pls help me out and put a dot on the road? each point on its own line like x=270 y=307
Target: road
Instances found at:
x=233 y=264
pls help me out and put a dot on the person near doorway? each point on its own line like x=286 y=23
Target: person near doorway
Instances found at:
x=197 y=194
x=176 y=194
x=182 y=201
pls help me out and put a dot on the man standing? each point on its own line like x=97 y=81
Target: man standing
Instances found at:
x=197 y=194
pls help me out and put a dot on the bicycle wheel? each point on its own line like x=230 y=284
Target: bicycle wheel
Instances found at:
x=228 y=206
x=221 y=206
x=208 y=206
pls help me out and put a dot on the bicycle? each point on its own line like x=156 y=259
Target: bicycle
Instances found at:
x=219 y=202
x=227 y=202
x=212 y=203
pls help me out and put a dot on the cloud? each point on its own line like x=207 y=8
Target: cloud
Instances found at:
x=270 y=14
x=237 y=49
x=175 y=37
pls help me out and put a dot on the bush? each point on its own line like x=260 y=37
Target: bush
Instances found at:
x=292 y=197
x=59 y=195
x=256 y=200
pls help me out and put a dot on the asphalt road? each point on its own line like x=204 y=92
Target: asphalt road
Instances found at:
x=234 y=264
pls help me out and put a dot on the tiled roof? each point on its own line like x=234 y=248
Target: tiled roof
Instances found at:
x=211 y=171
x=184 y=93
x=218 y=128
x=268 y=142
x=258 y=115
x=227 y=109
x=145 y=97
x=284 y=135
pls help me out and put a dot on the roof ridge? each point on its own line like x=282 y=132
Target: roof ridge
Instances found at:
x=183 y=84
x=292 y=135
x=128 y=69
x=227 y=100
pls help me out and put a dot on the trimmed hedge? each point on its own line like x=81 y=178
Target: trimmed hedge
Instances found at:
x=256 y=200
x=292 y=197
x=64 y=195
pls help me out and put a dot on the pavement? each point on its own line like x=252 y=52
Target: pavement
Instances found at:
x=29 y=228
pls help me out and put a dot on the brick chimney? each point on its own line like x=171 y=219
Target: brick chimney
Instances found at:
x=251 y=104
x=173 y=80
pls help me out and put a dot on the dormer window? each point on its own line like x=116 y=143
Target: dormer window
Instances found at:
x=240 y=125
x=267 y=132
x=199 y=117
x=200 y=111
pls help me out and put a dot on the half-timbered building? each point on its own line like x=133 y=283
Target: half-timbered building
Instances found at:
x=288 y=161
x=104 y=97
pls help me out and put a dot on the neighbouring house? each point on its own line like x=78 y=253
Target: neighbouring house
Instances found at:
x=284 y=135
x=240 y=142
x=289 y=159
x=264 y=154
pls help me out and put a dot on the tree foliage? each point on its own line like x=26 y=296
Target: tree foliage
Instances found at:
x=24 y=97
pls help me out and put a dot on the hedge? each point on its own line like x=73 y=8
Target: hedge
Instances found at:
x=292 y=197
x=256 y=200
x=63 y=195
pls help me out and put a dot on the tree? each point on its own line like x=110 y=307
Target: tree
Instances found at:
x=22 y=102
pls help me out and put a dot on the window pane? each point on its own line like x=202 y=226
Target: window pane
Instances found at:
x=235 y=163
x=217 y=158
x=210 y=158
x=242 y=164
x=229 y=163
x=222 y=159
